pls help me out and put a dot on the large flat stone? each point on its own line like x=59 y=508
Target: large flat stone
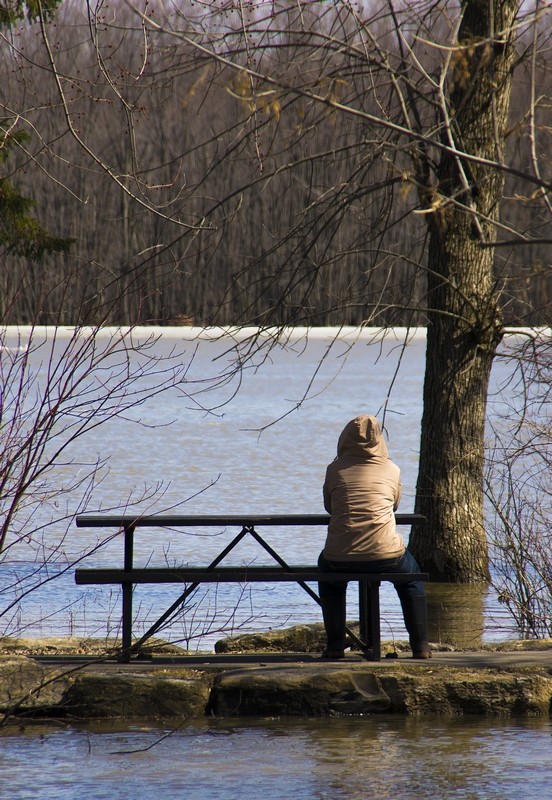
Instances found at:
x=27 y=685
x=135 y=696
x=516 y=682
x=297 y=691
x=309 y=690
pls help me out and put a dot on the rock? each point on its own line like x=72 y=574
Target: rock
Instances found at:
x=71 y=645
x=298 y=639
x=100 y=689
x=297 y=692
x=454 y=692
x=526 y=645
x=26 y=685
x=135 y=696
x=312 y=691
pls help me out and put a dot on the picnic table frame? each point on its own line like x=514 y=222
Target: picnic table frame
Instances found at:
x=369 y=640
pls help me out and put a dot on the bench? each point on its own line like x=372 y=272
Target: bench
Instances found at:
x=369 y=639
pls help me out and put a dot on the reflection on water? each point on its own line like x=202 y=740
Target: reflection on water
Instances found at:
x=362 y=757
x=456 y=613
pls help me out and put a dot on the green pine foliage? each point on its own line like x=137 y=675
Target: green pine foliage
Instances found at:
x=20 y=233
x=13 y=10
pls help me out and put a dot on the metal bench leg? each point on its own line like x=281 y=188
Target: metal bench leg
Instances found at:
x=127 y=623
x=369 y=617
x=375 y=633
x=127 y=596
x=364 y=614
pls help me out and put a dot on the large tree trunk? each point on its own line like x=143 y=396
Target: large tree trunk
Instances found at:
x=464 y=326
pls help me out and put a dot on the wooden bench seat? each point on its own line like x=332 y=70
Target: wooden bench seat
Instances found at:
x=243 y=574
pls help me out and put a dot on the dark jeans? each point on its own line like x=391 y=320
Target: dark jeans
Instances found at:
x=411 y=595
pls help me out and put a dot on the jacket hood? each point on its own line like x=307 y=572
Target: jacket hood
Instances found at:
x=362 y=437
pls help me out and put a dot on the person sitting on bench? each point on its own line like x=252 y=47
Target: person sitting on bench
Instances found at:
x=362 y=489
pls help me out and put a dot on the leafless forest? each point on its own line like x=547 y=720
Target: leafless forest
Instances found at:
x=191 y=199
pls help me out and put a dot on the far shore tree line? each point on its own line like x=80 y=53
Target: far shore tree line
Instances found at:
x=303 y=164
x=195 y=194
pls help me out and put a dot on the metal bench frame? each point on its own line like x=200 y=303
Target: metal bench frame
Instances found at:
x=369 y=640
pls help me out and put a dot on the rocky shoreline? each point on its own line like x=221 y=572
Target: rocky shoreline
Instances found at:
x=78 y=679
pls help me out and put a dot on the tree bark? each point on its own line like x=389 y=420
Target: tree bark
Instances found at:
x=464 y=320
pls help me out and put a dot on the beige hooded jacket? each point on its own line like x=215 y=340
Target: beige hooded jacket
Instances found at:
x=362 y=489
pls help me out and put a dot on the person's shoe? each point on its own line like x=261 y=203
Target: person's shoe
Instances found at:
x=422 y=654
x=333 y=655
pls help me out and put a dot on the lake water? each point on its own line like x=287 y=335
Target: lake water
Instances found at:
x=257 y=441
x=249 y=454
x=388 y=758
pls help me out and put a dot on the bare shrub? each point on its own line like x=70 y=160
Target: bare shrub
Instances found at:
x=518 y=488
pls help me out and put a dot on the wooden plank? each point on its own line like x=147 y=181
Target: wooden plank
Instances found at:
x=211 y=520
x=159 y=575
